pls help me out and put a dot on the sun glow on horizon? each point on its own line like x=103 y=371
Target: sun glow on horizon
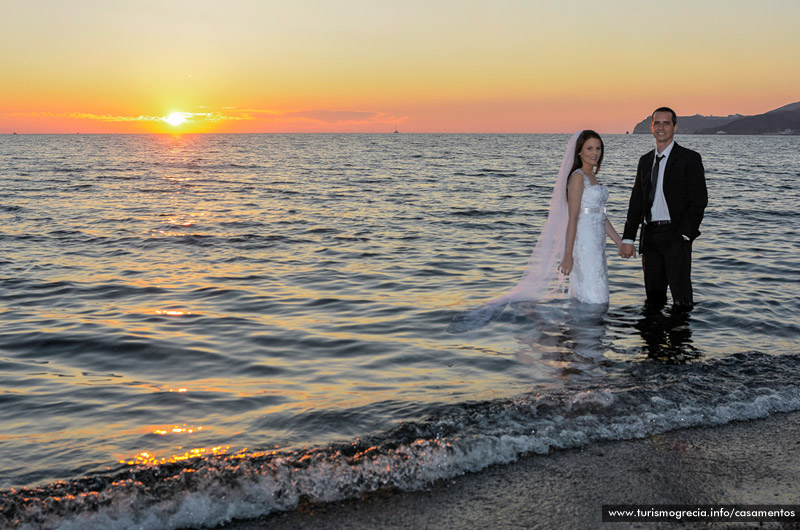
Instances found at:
x=177 y=118
x=315 y=67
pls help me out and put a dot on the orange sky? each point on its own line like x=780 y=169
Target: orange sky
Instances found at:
x=368 y=66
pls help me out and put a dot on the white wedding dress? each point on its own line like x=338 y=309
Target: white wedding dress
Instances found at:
x=542 y=280
x=588 y=280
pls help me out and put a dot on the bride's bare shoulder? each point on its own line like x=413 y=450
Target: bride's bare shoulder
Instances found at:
x=578 y=174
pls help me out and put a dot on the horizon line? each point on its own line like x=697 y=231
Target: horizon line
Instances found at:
x=627 y=133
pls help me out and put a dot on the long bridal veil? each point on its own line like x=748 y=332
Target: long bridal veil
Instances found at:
x=541 y=279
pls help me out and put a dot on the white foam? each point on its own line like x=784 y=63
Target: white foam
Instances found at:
x=221 y=491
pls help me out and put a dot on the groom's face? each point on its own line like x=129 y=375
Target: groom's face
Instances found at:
x=662 y=127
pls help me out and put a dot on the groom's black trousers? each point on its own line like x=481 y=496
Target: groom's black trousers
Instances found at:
x=667 y=262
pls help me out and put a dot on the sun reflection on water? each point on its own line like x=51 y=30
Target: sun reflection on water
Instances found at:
x=146 y=458
x=149 y=458
x=172 y=312
x=178 y=430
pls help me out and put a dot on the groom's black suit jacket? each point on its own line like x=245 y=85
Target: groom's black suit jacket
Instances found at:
x=684 y=190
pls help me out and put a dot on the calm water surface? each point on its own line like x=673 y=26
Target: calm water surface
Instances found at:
x=201 y=327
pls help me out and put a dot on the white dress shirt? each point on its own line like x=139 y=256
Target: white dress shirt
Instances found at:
x=659 y=211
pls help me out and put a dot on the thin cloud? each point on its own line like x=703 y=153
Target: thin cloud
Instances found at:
x=202 y=116
x=276 y=117
x=329 y=117
x=85 y=116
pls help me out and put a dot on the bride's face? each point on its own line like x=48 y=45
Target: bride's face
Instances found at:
x=591 y=151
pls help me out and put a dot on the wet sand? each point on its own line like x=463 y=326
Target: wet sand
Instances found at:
x=755 y=462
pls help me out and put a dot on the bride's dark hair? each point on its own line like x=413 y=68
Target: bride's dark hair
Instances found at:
x=585 y=135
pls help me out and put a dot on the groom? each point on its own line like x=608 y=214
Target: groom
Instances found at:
x=668 y=199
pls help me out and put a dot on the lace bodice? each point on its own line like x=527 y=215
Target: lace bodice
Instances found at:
x=593 y=196
x=589 y=276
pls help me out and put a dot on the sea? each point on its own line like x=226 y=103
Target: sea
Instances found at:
x=197 y=329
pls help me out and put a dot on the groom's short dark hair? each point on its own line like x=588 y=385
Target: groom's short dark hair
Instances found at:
x=666 y=109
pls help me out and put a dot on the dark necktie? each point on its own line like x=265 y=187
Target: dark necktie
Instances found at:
x=653 y=184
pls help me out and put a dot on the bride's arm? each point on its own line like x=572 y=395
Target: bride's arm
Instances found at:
x=574 y=194
x=610 y=232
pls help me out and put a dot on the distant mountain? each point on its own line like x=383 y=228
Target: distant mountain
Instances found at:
x=790 y=106
x=783 y=120
x=690 y=124
x=773 y=122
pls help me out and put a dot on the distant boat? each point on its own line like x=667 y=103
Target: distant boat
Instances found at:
x=395 y=130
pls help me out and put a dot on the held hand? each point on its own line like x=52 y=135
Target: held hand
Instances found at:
x=566 y=265
x=626 y=250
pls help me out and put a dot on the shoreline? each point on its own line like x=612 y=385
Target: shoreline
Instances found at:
x=751 y=462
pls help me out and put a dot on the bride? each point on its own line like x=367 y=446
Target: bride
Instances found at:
x=572 y=243
x=585 y=242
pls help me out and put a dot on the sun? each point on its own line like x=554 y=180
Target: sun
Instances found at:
x=177 y=118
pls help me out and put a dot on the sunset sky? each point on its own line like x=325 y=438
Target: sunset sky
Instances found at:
x=517 y=66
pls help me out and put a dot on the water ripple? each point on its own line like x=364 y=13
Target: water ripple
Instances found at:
x=199 y=293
